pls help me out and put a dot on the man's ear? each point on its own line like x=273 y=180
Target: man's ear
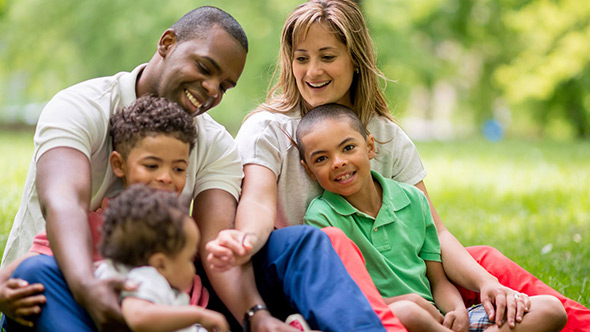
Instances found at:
x=158 y=261
x=371 y=146
x=308 y=171
x=118 y=164
x=167 y=42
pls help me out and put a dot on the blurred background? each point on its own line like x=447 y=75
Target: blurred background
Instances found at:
x=457 y=68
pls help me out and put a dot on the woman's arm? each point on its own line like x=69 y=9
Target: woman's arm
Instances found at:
x=447 y=298
x=255 y=218
x=145 y=316
x=463 y=270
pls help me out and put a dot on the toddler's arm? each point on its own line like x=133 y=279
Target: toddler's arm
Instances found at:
x=447 y=298
x=145 y=316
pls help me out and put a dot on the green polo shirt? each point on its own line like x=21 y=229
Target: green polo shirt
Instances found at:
x=395 y=244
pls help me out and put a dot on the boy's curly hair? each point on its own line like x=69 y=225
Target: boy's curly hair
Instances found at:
x=140 y=222
x=150 y=116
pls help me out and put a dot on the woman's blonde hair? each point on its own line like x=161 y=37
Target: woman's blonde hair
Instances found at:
x=345 y=20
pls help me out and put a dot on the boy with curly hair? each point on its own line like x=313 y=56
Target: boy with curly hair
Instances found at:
x=152 y=140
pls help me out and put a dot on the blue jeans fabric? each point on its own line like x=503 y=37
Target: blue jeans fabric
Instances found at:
x=61 y=312
x=296 y=271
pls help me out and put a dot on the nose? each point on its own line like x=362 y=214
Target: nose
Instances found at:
x=315 y=68
x=212 y=88
x=164 y=177
x=339 y=162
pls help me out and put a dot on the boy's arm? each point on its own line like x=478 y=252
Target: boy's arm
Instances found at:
x=145 y=316
x=447 y=298
x=18 y=299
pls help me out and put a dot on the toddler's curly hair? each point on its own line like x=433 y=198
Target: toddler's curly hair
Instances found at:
x=140 y=222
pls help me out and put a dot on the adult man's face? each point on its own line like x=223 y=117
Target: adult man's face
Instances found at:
x=196 y=73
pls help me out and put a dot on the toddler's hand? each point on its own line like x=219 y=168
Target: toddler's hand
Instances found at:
x=230 y=248
x=214 y=321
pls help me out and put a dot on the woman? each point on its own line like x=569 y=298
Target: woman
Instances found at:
x=327 y=56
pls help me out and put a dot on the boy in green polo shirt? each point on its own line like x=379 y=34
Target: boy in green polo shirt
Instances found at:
x=391 y=224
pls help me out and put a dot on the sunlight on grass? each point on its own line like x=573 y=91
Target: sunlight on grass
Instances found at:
x=16 y=149
x=529 y=200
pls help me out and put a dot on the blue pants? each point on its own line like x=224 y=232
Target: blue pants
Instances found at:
x=296 y=271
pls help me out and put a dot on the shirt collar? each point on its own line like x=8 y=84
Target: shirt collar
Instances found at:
x=394 y=199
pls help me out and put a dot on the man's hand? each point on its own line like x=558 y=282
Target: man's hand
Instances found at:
x=18 y=300
x=509 y=304
x=230 y=248
x=457 y=320
x=100 y=298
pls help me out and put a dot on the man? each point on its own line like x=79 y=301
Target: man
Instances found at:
x=200 y=57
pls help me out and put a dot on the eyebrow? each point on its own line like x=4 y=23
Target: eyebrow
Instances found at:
x=321 y=49
x=218 y=68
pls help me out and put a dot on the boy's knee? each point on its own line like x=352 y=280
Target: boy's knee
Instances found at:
x=550 y=308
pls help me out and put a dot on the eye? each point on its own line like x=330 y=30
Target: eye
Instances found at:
x=328 y=57
x=179 y=169
x=202 y=68
x=150 y=166
x=348 y=147
x=300 y=59
x=320 y=159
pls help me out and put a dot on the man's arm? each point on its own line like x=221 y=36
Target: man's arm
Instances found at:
x=214 y=210
x=64 y=189
x=463 y=270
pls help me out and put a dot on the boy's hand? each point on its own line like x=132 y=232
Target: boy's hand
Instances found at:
x=230 y=248
x=214 y=321
x=18 y=300
x=457 y=320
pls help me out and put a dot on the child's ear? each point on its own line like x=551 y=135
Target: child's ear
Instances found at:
x=158 y=261
x=308 y=171
x=118 y=164
x=371 y=146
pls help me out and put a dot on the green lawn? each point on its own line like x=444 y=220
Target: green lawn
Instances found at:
x=528 y=199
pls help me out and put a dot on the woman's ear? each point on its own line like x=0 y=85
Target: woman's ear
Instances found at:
x=371 y=146
x=308 y=171
x=118 y=164
x=167 y=42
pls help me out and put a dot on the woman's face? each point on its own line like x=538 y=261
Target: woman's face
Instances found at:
x=323 y=68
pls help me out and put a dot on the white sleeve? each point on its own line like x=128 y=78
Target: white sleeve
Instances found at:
x=216 y=159
x=70 y=120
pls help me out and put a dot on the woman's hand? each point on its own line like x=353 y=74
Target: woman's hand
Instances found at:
x=509 y=304
x=230 y=248
x=19 y=299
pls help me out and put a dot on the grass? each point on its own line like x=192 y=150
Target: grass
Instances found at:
x=528 y=199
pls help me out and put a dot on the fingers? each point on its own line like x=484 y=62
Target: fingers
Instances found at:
x=18 y=288
x=500 y=308
x=120 y=284
x=523 y=303
x=448 y=321
x=488 y=306
x=511 y=309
